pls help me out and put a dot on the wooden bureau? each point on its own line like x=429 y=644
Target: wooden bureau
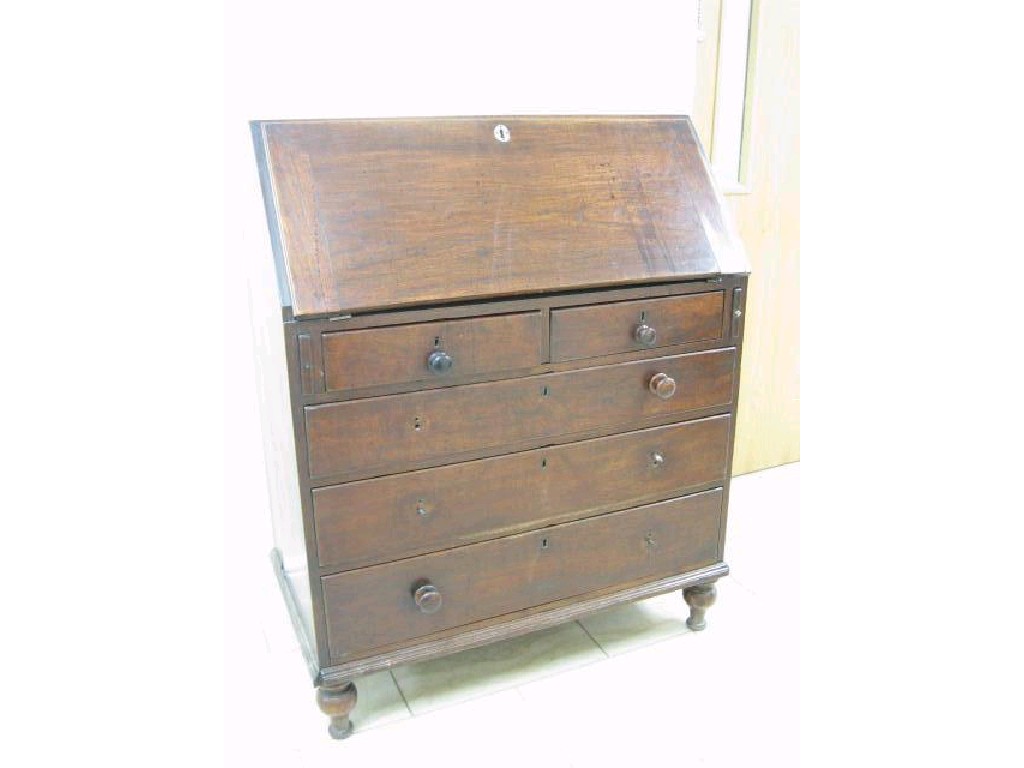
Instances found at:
x=505 y=391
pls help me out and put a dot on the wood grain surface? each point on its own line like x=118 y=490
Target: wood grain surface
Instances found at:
x=373 y=521
x=380 y=356
x=382 y=213
x=381 y=432
x=373 y=607
x=605 y=329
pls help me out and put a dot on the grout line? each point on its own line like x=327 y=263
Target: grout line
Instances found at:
x=401 y=693
x=599 y=646
x=749 y=592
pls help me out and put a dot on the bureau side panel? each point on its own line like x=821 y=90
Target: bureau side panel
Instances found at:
x=735 y=320
x=279 y=448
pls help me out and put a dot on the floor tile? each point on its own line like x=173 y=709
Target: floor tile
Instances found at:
x=762 y=541
x=379 y=701
x=662 y=695
x=634 y=625
x=437 y=683
x=493 y=731
x=715 y=697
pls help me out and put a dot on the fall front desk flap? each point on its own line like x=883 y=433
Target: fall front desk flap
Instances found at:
x=374 y=214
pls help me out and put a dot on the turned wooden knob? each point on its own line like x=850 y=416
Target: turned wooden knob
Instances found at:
x=645 y=334
x=427 y=597
x=663 y=385
x=439 y=362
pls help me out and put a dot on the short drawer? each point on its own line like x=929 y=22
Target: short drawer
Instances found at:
x=436 y=350
x=630 y=326
x=389 y=604
x=376 y=435
x=383 y=519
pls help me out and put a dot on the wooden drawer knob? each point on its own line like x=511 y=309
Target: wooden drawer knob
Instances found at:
x=440 y=362
x=663 y=385
x=427 y=597
x=646 y=335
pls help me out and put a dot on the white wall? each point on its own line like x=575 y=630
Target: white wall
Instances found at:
x=376 y=58
x=438 y=57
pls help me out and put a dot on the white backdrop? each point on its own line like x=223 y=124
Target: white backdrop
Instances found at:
x=318 y=59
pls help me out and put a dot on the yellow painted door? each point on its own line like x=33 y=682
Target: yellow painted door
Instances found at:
x=766 y=207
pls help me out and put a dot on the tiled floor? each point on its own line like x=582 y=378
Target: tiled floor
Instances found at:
x=630 y=684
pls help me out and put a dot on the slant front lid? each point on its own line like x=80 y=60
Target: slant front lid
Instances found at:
x=370 y=214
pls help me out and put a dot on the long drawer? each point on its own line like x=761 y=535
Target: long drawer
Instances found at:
x=382 y=519
x=376 y=434
x=382 y=605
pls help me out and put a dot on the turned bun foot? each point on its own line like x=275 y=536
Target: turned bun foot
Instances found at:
x=337 y=702
x=699 y=598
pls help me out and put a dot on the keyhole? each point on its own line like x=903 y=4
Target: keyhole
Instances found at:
x=643 y=317
x=420 y=509
x=543 y=543
x=544 y=392
x=417 y=424
x=437 y=342
x=543 y=463
x=501 y=133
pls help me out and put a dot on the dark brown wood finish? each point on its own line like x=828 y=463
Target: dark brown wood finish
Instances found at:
x=699 y=598
x=607 y=329
x=382 y=213
x=513 y=305
x=373 y=521
x=531 y=619
x=396 y=354
x=513 y=373
x=367 y=436
x=337 y=702
x=373 y=607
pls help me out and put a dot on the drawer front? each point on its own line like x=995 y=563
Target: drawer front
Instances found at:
x=429 y=351
x=373 y=521
x=630 y=326
x=375 y=607
x=367 y=436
